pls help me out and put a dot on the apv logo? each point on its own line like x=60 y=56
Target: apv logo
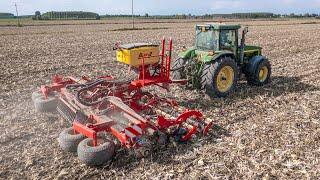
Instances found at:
x=145 y=55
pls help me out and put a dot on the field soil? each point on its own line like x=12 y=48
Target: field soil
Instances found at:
x=270 y=132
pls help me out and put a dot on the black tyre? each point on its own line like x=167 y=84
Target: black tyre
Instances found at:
x=260 y=75
x=178 y=69
x=68 y=140
x=43 y=104
x=219 y=79
x=95 y=155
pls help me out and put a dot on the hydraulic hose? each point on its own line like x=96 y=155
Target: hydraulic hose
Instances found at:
x=69 y=86
x=93 y=84
x=87 y=87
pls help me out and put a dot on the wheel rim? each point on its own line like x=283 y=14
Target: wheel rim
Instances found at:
x=263 y=73
x=225 y=79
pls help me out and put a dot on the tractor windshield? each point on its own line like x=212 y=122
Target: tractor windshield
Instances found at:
x=206 y=39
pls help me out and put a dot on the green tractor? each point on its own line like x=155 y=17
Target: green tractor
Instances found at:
x=217 y=60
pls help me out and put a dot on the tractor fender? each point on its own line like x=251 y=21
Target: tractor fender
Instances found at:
x=254 y=63
x=218 y=55
x=187 y=54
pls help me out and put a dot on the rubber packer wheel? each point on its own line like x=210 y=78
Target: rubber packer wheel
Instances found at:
x=219 y=79
x=36 y=94
x=95 y=155
x=43 y=104
x=68 y=140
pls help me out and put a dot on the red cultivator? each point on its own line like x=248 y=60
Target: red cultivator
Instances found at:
x=104 y=105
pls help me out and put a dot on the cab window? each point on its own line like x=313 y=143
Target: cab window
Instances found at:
x=206 y=40
x=228 y=40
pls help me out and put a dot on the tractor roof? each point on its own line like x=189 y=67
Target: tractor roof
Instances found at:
x=221 y=26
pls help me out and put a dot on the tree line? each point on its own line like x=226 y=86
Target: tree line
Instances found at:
x=65 y=15
x=6 y=15
x=211 y=16
x=56 y=15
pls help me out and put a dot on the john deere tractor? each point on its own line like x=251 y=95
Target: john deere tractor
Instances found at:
x=218 y=59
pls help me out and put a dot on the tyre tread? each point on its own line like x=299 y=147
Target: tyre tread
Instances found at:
x=209 y=72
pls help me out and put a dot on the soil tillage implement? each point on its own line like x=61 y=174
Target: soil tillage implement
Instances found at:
x=104 y=109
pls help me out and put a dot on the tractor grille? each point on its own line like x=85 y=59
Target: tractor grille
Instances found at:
x=66 y=112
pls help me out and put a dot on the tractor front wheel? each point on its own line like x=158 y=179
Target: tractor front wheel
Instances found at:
x=260 y=75
x=219 y=79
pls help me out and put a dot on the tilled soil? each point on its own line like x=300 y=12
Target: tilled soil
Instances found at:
x=260 y=132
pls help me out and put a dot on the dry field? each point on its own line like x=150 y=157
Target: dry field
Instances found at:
x=270 y=132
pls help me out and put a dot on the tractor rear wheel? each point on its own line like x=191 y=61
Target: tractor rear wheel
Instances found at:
x=95 y=155
x=178 y=69
x=219 y=79
x=260 y=75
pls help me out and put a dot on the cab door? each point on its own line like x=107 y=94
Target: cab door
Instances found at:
x=229 y=40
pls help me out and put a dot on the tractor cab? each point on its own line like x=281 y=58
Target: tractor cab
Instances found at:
x=217 y=37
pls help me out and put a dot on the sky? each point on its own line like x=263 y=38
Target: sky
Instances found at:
x=162 y=7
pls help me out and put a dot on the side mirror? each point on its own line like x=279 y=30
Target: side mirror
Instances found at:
x=245 y=30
